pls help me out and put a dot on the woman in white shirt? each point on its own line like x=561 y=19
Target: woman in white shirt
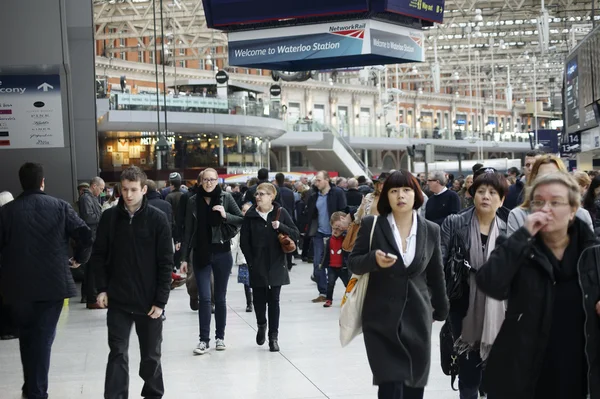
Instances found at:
x=406 y=292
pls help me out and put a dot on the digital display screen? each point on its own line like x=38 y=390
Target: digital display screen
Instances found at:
x=429 y=10
x=234 y=12
x=572 y=92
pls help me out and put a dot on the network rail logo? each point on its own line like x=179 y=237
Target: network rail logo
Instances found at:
x=356 y=31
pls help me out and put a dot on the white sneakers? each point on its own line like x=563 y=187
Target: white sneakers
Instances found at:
x=202 y=347
x=220 y=344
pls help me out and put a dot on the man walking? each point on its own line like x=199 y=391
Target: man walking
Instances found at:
x=133 y=259
x=90 y=211
x=326 y=200
x=443 y=202
x=35 y=230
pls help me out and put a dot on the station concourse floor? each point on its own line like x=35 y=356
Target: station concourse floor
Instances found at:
x=311 y=364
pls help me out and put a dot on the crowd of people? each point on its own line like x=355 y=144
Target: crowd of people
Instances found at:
x=507 y=260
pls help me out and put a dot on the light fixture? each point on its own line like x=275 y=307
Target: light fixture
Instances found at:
x=420 y=90
x=457 y=94
x=414 y=70
x=456 y=75
x=209 y=60
x=478 y=16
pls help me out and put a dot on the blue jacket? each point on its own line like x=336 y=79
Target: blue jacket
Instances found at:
x=336 y=201
x=35 y=230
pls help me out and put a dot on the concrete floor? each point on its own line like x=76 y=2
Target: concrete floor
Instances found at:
x=311 y=363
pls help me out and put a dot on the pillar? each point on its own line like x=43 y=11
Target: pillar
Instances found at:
x=287 y=159
x=240 y=138
x=67 y=40
x=221 y=152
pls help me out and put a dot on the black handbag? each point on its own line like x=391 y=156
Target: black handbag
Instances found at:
x=448 y=356
x=457 y=271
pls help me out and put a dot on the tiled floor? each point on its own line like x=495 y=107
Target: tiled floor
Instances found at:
x=311 y=363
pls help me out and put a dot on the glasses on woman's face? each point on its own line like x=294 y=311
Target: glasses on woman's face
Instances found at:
x=537 y=205
x=259 y=194
x=211 y=181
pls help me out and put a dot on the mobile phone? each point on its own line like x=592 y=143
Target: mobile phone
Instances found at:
x=391 y=256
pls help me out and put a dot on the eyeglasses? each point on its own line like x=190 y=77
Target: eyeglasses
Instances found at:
x=539 y=204
x=209 y=180
x=431 y=180
x=259 y=194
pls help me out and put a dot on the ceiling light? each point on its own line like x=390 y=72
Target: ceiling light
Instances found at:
x=457 y=94
x=478 y=16
x=414 y=70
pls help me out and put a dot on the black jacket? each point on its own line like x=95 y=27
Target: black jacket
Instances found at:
x=327 y=255
x=354 y=198
x=519 y=271
x=287 y=200
x=155 y=200
x=258 y=240
x=250 y=194
x=220 y=234
x=459 y=226
x=336 y=201
x=133 y=258
x=515 y=195
x=401 y=303
x=90 y=210
x=35 y=230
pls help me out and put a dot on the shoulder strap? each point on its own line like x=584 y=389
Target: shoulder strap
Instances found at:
x=278 y=214
x=372 y=231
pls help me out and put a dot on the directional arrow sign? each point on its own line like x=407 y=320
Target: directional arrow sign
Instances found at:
x=45 y=86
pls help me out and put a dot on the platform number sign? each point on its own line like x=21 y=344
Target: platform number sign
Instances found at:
x=571 y=145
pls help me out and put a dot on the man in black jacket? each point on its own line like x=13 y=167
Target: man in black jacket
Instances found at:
x=353 y=196
x=324 y=202
x=90 y=211
x=35 y=230
x=133 y=260
x=289 y=204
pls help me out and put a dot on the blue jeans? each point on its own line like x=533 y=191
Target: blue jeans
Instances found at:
x=320 y=274
x=220 y=264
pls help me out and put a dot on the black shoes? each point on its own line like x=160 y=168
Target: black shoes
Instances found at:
x=249 y=308
x=261 y=334
x=273 y=345
x=194 y=303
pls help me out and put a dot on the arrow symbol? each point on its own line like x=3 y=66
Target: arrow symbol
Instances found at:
x=45 y=86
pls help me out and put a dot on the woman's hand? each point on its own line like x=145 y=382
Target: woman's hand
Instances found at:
x=184 y=267
x=275 y=224
x=536 y=221
x=383 y=261
x=598 y=308
x=221 y=210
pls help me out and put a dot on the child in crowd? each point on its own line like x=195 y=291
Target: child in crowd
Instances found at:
x=335 y=259
x=240 y=260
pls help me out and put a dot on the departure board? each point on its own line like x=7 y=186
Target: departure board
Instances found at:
x=572 y=91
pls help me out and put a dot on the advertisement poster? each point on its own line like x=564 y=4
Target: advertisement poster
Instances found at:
x=572 y=92
x=31 y=112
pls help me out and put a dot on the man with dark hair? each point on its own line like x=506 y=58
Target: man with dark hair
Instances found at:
x=90 y=211
x=174 y=198
x=133 y=261
x=237 y=194
x=35 y=230
x=476 y=167
x=324 y=202
x=516 y=192
x=289 y=204
x=263 y=177
x=363 y=185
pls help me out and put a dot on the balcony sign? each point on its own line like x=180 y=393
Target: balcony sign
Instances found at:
x=326 y=45
x=149 y=100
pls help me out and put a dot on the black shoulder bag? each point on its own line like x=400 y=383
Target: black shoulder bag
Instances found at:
x=448 y=355
x=456 y=271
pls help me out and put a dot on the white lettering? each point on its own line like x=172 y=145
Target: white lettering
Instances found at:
x=326 y=46
x=18 y=90
x=250 y=53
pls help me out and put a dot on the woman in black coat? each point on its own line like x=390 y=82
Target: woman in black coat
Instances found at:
x=266 y=260
x=547 y=271
x=406 y=290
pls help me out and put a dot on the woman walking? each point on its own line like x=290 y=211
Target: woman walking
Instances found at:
x=547 y=272
x=406 y=290
x=266 y=260
x=212 y=220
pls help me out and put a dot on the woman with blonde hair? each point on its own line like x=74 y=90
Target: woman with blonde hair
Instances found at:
x=368 y=207
x=584 y=181
x=543 y=166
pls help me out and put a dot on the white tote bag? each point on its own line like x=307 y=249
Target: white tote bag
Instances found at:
x=352 y=303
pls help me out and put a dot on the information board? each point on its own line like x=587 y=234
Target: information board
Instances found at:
x=31 y=112
x=572 y=92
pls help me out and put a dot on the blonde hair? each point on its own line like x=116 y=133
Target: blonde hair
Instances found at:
x=531 y=180
x=268 y=187
x=336 y=216
x=201 y=175
x=582 y=178
x=560 y=177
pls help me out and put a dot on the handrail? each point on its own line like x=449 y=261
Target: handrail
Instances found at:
x=350 y=150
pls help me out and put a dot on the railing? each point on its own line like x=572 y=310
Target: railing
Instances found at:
x=350 y=150
x=183 y=103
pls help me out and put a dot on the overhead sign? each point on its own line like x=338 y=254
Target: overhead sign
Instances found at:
x=429 y=10
x=572 y=92
x=275 y=91
x=31 y=112
x=327 y=45
x=149 y=100
x=571 y=144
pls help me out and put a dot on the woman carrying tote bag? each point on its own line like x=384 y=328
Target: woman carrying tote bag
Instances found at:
x=406 y=290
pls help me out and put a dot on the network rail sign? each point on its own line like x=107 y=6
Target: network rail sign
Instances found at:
x=334 y=45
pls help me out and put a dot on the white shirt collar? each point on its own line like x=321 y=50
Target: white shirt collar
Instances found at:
x=413 y=228
x=443 y=191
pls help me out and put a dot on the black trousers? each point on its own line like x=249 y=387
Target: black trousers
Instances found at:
x=332 y=276
x=88 y=286
x=7 y=321
x=262 y=297
x=149 y=332
x=398 y=390
x=37 y=328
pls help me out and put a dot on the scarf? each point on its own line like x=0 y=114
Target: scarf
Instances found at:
x=214 y=218
x=485 y=315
